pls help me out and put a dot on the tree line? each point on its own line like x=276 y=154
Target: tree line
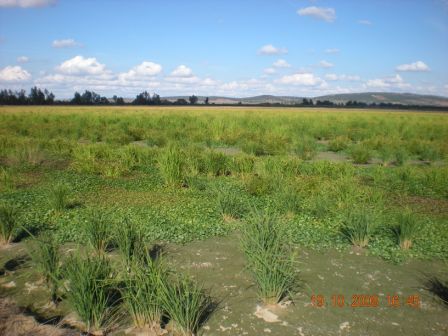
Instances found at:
x=37 y=96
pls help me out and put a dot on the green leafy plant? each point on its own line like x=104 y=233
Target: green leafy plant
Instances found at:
x=8 y=223
x=270 y=257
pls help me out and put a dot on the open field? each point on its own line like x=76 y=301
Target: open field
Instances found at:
x=347 y=202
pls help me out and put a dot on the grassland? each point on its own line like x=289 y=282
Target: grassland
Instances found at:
x=333 y=179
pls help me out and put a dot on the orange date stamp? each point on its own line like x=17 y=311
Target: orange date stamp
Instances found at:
x=365 y=301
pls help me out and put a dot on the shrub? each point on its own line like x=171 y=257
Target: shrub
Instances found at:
x=8 y=223
x=406 y=229
x=359 y=226
x=270 y=257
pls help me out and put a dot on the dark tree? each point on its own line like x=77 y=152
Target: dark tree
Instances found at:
x=180 y=101
x=206 y=101
x=193 y=99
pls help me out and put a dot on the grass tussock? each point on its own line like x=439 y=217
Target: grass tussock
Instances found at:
x=406 y=229
x=129 y=240
x=171 y=165
x=44 y=252
x=9 y=223
x=359 y=226
x=270 y=257
x=90 y=290
x=98 y=232
x=59 y=197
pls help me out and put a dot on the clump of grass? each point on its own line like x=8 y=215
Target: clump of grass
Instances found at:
x=186 y=303
x=98 y=232
x=359 y=226
x=170 y=164
x=216 y=163
x=59 y=197
x=89 y=291
x=406 y=229
x=45 y=254
x=6 y=179
x=129 y=240
x=142 y=294
x=306 y=148
x=338 y=144
x=257 y=185
x=289 y=200
x=360 y=154
x=8 y=223
x=270 y=257
x=230 y=205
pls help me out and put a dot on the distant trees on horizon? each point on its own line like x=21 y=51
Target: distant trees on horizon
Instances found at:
x=38 y=96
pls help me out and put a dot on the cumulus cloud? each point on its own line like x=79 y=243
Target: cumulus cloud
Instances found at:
x=14 y=74
x=326 y=14
x=27 y=3
x=305 y=79
x=335 y=77
x=145 y=69
x=387 y=82
x=22 y=59
x=365 y=22
x=326 y=64
x=269 y=49
x=269 y=71
x=79 y=65
x=65 y=43
x=418 y=66
x=331 y=51
x=281 y=63
x=182 y=71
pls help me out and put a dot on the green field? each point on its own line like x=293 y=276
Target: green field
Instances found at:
x=356 y=186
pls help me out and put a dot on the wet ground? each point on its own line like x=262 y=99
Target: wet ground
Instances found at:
x=405 y=306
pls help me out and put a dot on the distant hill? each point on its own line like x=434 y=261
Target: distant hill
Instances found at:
x=387 y=97
x=364 y=97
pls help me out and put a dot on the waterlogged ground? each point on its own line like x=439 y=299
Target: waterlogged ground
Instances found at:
x=220 y=266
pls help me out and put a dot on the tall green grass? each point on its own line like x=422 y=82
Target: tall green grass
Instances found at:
x=44 y=251
x=90 y=290
x=9 y=223
x=406 y=229
x=171 y=165
x=270 y=257
x=186 y=303
x=59 y=197
x=98 y=231
x=359 y=226
x=129 y=240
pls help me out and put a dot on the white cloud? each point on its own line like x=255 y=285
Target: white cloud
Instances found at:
x=269 y=49
x=79 y=65
x=22 y=59
x=281 y=63
x=331 y=51
x=305 y=79
x=418 y=66
x=27 y=3
x=326 y=64
x=269 y=71
x=182 y=71
x=145 y=69
x=365 y=22
x=334 y=77
x=66 y=43
x=14 y=74
x=326 y=14
x=387 y=82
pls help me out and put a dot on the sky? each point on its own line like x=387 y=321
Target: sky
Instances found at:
x=234 y=48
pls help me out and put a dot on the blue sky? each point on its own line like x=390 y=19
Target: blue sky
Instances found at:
x=230 y=48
